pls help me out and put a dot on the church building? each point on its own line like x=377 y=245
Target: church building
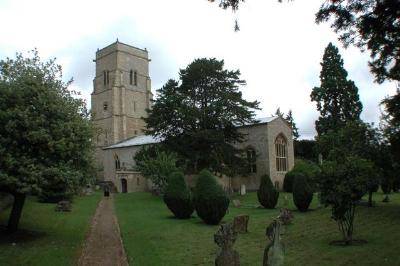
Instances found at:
x=122 y=93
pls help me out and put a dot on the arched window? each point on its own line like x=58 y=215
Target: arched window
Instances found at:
x=104 y=77
x=108 y=77
x=131 y=77
x=105 y=106
x=251 y=160
x=281 y=154
x=117 y=162
x=135 y=78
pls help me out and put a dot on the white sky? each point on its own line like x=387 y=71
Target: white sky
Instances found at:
x=278 y=49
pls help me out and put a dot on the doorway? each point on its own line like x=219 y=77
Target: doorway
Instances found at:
x=124 y=185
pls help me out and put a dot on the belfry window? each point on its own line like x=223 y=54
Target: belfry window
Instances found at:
x=105 y=77
x=108 y=77
x=135 y=78
x=281 y=154
x=251 y=160
x=131 y=77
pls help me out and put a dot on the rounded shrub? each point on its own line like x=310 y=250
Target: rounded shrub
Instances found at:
x=267 y=194
x=302 y=167
x=302 y=193
x=210 y=200
x=177 y=197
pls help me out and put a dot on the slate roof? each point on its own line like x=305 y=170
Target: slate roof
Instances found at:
x=147 y=139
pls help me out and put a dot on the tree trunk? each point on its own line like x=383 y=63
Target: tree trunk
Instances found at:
x=370 y=199
x=13 y=221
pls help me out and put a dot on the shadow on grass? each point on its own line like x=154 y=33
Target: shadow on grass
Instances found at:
x=20 y=236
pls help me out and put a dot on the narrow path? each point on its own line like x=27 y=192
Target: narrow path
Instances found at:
x=103 y=246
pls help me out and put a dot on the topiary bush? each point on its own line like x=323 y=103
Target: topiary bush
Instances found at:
x=302 y=192
x=177 y=197
x=210 y=200
x=288 y=181
x=267 y=194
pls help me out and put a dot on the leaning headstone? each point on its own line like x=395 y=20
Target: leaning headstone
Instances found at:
x=274 y=251
x=225 y=237
x=236 y=203
x=240 y=223
x=285 y=216
x=63 y=206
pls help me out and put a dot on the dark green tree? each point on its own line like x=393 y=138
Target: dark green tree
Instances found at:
x=302 y=192
x=198 y=117
x=210 y=200
x=279 y=113
x=337 y=98
x=392 y=123
x=46 y=132
x=342 y=185
x=368 y=24
x=360 y=140
x=289 y=118
x=177 y=196
x=267 y=194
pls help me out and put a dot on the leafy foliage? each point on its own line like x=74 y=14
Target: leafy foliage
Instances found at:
x=342 y=185
x=302 y=192
x=368 y=24
x=178 y=197
x=211 y=202
x=267 y=194
x=198 y=117
x=337 y=98
x=45 y=131
x=156 y=165
x=305 y=168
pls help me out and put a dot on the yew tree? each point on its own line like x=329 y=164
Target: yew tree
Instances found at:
x=46 y=132
x=198 y=116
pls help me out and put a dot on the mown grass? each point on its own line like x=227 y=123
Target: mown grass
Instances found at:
x=152 y=236
x=46 y=237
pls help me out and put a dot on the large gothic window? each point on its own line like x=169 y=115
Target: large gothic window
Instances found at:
x=281 y=154
x=251 y=160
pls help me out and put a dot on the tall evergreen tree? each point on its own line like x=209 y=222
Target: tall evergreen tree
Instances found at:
x=337 y=97
x=289 y=118
x=279 y=113
x=198 y=117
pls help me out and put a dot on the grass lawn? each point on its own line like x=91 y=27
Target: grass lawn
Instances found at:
x=47 y=237
x=152 y=236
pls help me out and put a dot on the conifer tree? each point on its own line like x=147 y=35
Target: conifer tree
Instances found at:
x=289 y=118
x=279 y=113
x=337 y=97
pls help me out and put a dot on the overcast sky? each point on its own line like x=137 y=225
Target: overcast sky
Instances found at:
x=278 y=49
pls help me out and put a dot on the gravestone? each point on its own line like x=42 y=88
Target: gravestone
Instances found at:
x=236 y=203
x=240 y=223
x=274 y=251
x=225 y=237
x=63 y=206
x=285 y=216
x=243 y=189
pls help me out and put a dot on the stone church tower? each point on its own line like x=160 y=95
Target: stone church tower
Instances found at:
x=121 y=94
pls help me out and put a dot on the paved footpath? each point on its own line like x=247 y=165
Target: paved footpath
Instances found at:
x=103 y=246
